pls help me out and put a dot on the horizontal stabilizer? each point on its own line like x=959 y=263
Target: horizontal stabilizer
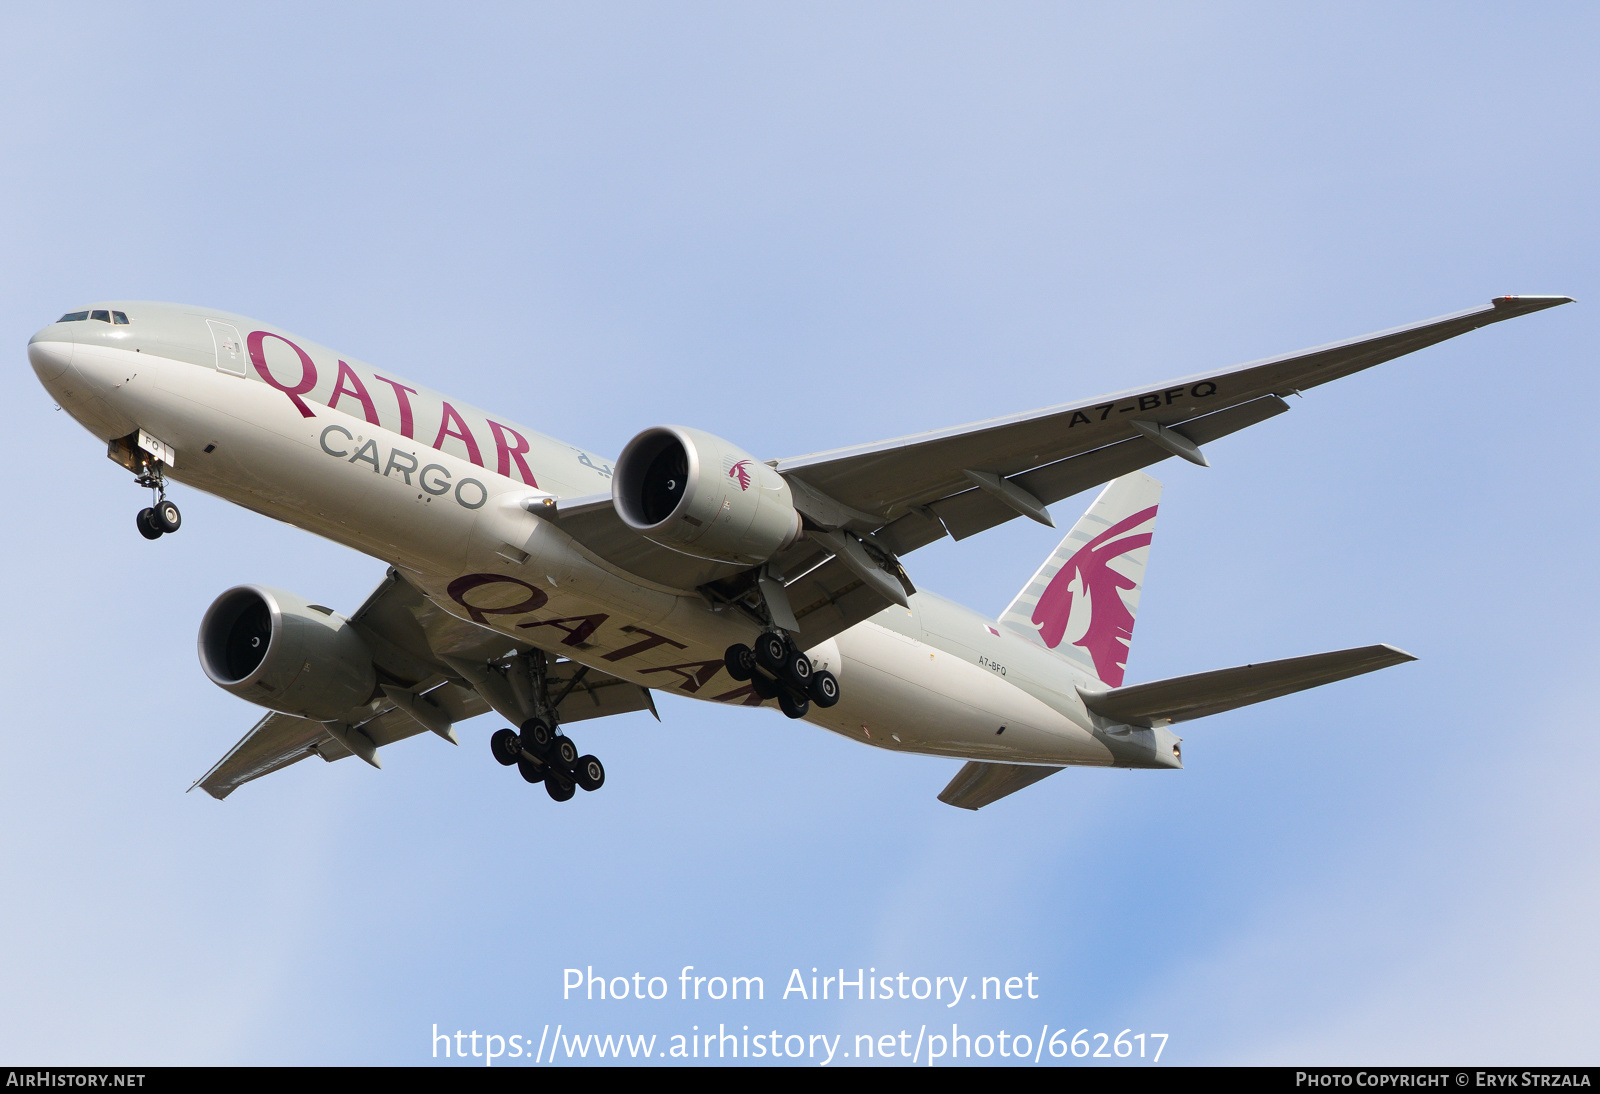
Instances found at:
x=979 y=784
x=1184 y=697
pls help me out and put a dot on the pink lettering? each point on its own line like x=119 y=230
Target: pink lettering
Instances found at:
x=308 y=369
x=356 y=388
x=586 y=625
x=405 y=403
x=461 y=433
x=508 y=453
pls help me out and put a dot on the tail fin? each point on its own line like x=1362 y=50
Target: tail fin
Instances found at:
x=1081 y=605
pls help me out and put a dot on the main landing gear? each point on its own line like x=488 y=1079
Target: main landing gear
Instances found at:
x=543 y=756
x=777 y=670
x=541 y=753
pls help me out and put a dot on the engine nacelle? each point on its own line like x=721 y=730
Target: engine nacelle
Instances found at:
x=699 y=495
x=276 y=650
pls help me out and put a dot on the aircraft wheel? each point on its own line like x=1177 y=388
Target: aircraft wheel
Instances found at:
x=166 y=517
x=740 y=661
x=824 y=689
x=764 y=687
x=591 y=773
x=799 y=670
x=772 y=653
x=537 y=732
x=147 y=525
x=794 y=708
x=566 y=753
x=505 y=746
x=530 y=772
x=559 y=787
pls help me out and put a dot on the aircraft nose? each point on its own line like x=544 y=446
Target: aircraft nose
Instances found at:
x=49 y=357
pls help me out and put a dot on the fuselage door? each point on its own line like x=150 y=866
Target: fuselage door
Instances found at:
x=230 y=347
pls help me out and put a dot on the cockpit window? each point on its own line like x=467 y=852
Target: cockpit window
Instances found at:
x=100 y=314
x=120 y=318
x=73 y=317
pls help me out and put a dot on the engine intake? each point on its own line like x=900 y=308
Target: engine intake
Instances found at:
x=280 y=652
x=699 y=495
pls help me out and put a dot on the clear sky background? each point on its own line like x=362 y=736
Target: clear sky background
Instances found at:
x=802 y=226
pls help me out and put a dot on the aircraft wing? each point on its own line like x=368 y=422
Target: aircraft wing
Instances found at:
x=409 y=636
x=922 y=486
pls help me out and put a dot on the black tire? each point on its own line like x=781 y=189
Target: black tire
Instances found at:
x=793 y=707
x=764 y=687
x=740 y=661
x=824 y=689
x=559 y=787
x=531 y=772
x=799 y=670
x=505 y=745
x=538 y=734
x=565 y=753
x=147 y=524
x=772 y=653
x=591 y=773
x=166 y=517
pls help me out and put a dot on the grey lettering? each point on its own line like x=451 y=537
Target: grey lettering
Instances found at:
x=483 y=494
x=367 y=453
x=349 y=436
x=395 y=456
x=435 y=488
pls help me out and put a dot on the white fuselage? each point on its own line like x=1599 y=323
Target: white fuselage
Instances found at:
x=434 y=487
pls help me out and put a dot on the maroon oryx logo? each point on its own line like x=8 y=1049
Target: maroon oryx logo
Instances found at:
x=741 y=471
x=1110 y=622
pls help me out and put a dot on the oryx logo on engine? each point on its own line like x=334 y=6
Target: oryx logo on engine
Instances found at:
x=739 y=472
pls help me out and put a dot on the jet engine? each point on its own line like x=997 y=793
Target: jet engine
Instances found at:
x=699 y=495
x=276 y=650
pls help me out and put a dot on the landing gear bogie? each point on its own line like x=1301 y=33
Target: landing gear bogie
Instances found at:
x=776 y=669
x=542 y=756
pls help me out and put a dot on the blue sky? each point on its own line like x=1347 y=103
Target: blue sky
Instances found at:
x=802 y=226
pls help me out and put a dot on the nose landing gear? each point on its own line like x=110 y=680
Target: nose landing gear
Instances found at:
x=777 y=670
x=144 y=455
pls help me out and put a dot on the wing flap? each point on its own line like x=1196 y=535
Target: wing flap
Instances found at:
x=1182 y=698
x=978 y=784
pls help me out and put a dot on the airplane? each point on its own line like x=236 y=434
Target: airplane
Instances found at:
x=550 y=585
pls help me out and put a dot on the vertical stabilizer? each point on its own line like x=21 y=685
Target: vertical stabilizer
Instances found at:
x=1083 y=600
